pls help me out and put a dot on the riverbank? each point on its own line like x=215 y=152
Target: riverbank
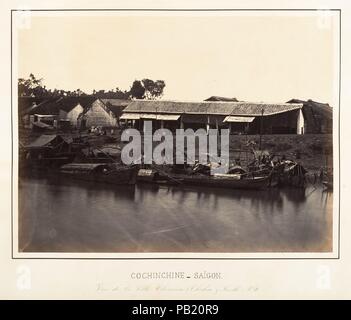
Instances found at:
x=312 y=151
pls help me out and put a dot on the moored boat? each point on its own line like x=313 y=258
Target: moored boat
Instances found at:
x=233 y=181
x=100 y=172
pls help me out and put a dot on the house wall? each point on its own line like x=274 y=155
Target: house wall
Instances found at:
x=322 y=124
x=98 y=115
x=311 y=120
x=326 y=126
x=317 y=119
x=281 y=123
x=72 y=116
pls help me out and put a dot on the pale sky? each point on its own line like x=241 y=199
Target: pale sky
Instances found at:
x=253 y=58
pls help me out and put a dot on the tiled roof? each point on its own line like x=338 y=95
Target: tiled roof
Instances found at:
x=210 y=108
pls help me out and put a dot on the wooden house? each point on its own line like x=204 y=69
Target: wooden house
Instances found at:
x=49 y=150
x=25 y=106
x=45 y=115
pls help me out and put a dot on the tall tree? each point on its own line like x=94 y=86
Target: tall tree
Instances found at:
x=137 y=90
x=147 y=89
x=153 y=89
x=31 y=86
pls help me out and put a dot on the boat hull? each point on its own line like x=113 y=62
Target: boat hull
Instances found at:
x=209 y=181
x=212 y=181
x=122 y=177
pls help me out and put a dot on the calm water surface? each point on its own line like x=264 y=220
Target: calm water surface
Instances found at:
x=73 y=216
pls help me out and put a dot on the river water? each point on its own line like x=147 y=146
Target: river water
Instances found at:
x=74 y=216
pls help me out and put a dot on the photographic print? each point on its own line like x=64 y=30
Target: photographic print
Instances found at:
x=191 y=133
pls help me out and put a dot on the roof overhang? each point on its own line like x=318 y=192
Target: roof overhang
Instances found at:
x=130 y=116
x=45 y=115
x=238 y=119
x=150 y=116
x=168 y=117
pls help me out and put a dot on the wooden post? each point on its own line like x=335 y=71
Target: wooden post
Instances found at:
x=300 y=123
x=181 y=123
x=261 y=128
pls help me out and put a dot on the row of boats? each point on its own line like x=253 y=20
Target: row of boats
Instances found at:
x=262 y=171
x=284 y=173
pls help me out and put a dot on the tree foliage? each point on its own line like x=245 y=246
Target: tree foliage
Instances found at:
x=137 y=90
x=147 y=89
x=144 y=89
x=153 y=89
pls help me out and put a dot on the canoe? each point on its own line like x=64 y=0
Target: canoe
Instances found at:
x=233 y=181
x=100 y=172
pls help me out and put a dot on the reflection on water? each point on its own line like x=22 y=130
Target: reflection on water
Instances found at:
x=73 y=216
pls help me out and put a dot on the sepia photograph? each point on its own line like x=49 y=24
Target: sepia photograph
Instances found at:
x=175 y=132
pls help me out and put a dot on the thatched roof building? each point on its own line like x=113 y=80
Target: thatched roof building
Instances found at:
x=102 y=113
x=318 y=116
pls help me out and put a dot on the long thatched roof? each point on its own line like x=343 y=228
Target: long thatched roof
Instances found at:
x=68 y=103
x=209 y=108
x=47 y=107
x=26 y=104
x=322 y=109
x=52 y=106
